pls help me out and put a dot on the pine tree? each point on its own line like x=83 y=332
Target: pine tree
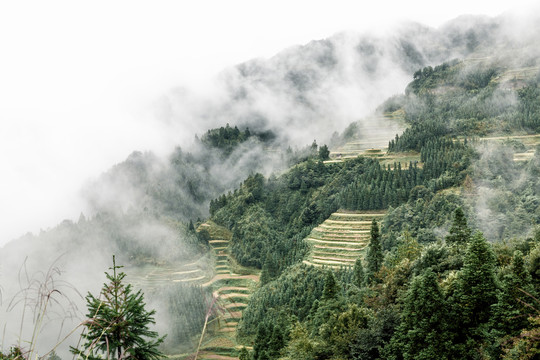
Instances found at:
x=510 y=313
x=422 y=333
x=374 y=256
x=477 y=284
x=471 y=299
x=331 y=289
x=460 y=232
x=324 y=153
x=359 y=276
x=117 y=325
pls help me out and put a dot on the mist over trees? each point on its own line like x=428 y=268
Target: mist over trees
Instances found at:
x=451 y=269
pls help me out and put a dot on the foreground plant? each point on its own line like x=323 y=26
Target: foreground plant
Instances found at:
x=44 y=298
x=118 y=323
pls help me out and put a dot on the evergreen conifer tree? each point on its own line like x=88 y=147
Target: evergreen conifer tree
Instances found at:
x=330 y=290
x=510 y=315
x=422 y=333
x=324 y=153
x=471 y=299
x=118 y=324
x=374 y=256
x=460 y=232
x=359 y=276
x=477 y=284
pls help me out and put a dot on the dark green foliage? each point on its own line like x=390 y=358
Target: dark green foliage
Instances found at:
x=118 y=324
x=445 y=162
x=429 y=78
x=324 y=153
x=477 y=285
x=270 y=269
x=300 y=347
x=529 y=107
x=339 y=333
x=371 y=340
x=534 y=266
x=250 y=235
x=415 y=137
x=461 y=100
x=227 y=138
x=440 y=258
x=244 y=354
x=423 y=332
x=460 y=233
x=471 y=299
x=330 y=290
x=295 y=291
x=377 y=187
x=359 y=275
x=423 y=212
x=271 y=338
x=374 y=257
x=510 y=312
x=186 y=306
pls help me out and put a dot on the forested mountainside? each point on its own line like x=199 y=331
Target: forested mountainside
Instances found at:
x=428 y=284
x=414 y=240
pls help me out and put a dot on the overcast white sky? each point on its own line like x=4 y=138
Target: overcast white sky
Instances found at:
x=75 y=77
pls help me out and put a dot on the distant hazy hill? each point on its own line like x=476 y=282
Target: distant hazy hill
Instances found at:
x=307 y=92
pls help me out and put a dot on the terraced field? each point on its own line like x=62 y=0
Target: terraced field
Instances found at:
x=151 y=277
x=516 y=78
x=530 y=143
x=373 y=142
x=232 y=285
x=341 y=239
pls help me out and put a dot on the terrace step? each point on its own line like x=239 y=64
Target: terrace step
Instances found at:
x=340 y=242
x=328 y=254
x=341 y=239
x=232 y=291
x=327 y=258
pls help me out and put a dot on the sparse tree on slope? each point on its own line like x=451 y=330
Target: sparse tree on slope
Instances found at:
x=331 y=288
x=324 y=153
x=359 y=276
x=460 y=233
x=118 y=324
x=374 y=256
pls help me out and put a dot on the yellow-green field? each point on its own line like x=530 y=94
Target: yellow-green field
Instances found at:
x=341 y=239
